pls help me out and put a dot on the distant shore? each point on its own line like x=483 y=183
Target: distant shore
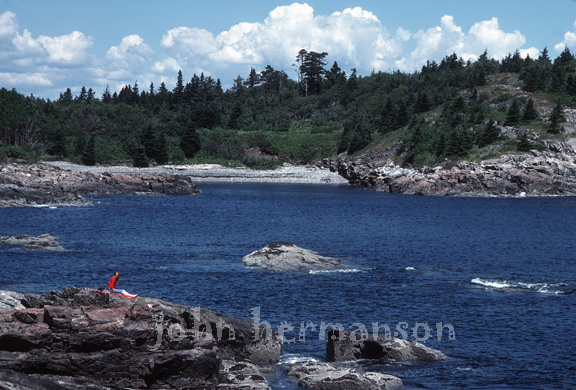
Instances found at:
x=205 y=173
x=65 y=183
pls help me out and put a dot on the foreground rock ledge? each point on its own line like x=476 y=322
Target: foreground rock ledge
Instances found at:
x=287 y=257
x=325 y=376
x=78 y=338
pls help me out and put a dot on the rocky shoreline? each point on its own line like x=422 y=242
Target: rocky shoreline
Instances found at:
x=43 y=184
x=549 y=172
x=64 y=183
x=84 y=338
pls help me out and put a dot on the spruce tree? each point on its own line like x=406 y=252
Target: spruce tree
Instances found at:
x=523 y=145
x=139 y=158
x=513 y=114
x=556 y=117
x=89 y=152
x=190 y=142
x=529 y=112
x=149 y=141
x=488 y=134
x=162 y=155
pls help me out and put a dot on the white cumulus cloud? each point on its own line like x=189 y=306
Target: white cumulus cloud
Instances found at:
x=437 y=42
x=70 y=49
x=8 y=25
x=354 y=37
x=487 y=35
x=568 y=42
x=132 y=55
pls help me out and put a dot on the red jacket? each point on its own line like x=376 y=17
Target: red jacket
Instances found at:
x=112 y=282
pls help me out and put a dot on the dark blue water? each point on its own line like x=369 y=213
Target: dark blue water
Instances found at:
x=500 y=271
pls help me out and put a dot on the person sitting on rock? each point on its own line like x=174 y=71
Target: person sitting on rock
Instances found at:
x=112 y=286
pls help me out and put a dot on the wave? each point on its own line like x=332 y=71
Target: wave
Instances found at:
x=295 y=358
x=333 y=271
x=506 y=285
x=410 y=269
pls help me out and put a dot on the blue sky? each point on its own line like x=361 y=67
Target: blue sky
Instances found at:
x=48 y=46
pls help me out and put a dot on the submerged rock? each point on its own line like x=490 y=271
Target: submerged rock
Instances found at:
x=106 y=340
x=44 y=242
x=325 y=376
x=348 y=346
x=287 y=257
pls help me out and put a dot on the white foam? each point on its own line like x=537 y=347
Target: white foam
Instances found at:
x=292 y=358
x=332 y=271
x=491 y=283
x=546 y=288
x=410 y=268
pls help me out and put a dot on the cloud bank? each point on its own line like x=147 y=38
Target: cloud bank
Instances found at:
x=353 y=37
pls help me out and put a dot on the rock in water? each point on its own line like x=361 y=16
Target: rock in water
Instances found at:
x=314 y=375
x=287 y=257
x=348 y=346
x=44 y=242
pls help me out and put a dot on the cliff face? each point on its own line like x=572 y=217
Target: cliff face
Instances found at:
x=550 y=172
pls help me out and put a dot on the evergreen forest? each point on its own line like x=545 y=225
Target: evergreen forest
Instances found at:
x=448 y=110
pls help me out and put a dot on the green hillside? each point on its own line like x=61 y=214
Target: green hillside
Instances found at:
x=447 y=110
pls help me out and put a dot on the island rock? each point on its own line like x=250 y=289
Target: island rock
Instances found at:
x=100 y=340
x=314 y=375
x=348 y=346
x=287 y=257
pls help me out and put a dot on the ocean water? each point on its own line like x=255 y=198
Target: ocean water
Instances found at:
x=500 y=271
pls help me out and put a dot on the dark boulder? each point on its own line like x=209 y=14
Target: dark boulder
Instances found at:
x=347 y=346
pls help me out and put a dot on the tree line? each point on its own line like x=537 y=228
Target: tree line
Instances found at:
x=266 y=117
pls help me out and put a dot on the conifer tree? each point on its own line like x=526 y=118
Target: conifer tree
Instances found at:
x=529 y=113
x=556 y=117
x=190 y=143
x=523 y=144
x=139 y=158
x=178 y=91
x=488 y=134
x=149 y=141
x=89 y=152
x=106 y=97
x=162 y=154
x=513 y=114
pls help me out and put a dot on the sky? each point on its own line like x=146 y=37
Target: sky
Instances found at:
x=48 y=46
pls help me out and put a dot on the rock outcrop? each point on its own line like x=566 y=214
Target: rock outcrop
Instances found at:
x=34 y=184
x=287 y=257
x=325 y=376
x=550 y=172
x=43 y=242
x=348 y=346
x=108 y=341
